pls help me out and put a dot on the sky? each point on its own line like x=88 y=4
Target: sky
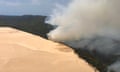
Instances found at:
x=29 y=7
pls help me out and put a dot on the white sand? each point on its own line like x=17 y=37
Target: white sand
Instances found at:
x=24 y=52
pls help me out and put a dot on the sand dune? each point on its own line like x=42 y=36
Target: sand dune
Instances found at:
x=24 y=52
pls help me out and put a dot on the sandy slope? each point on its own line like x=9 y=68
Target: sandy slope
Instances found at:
x=24 y=52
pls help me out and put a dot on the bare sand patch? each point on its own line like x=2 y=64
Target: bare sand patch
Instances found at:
x=24 y=52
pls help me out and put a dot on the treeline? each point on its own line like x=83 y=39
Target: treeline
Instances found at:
x=29 y=23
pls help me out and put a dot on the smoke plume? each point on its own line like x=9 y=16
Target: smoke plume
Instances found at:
x=92 y=26
x=85 y=19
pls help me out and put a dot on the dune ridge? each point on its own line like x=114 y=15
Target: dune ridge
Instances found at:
x=24 y=52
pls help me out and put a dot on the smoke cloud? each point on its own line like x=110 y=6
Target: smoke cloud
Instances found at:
x=89 y=25
x=92 y=26
x=85 y=19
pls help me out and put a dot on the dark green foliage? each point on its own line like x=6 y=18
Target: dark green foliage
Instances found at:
x=28 y=23
x=93 y=61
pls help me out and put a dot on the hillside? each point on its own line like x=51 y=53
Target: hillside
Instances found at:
x=24 y=52
x=29 y=23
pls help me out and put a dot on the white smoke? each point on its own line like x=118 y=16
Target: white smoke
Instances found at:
x=91 y=23
x=85 y=19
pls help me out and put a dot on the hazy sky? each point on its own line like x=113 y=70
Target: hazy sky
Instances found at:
x=34 y=7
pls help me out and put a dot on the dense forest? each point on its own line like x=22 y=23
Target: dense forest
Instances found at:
x=34 y=24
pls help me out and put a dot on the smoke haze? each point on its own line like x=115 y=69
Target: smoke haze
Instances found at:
x=92 y=26
x=85 y=19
